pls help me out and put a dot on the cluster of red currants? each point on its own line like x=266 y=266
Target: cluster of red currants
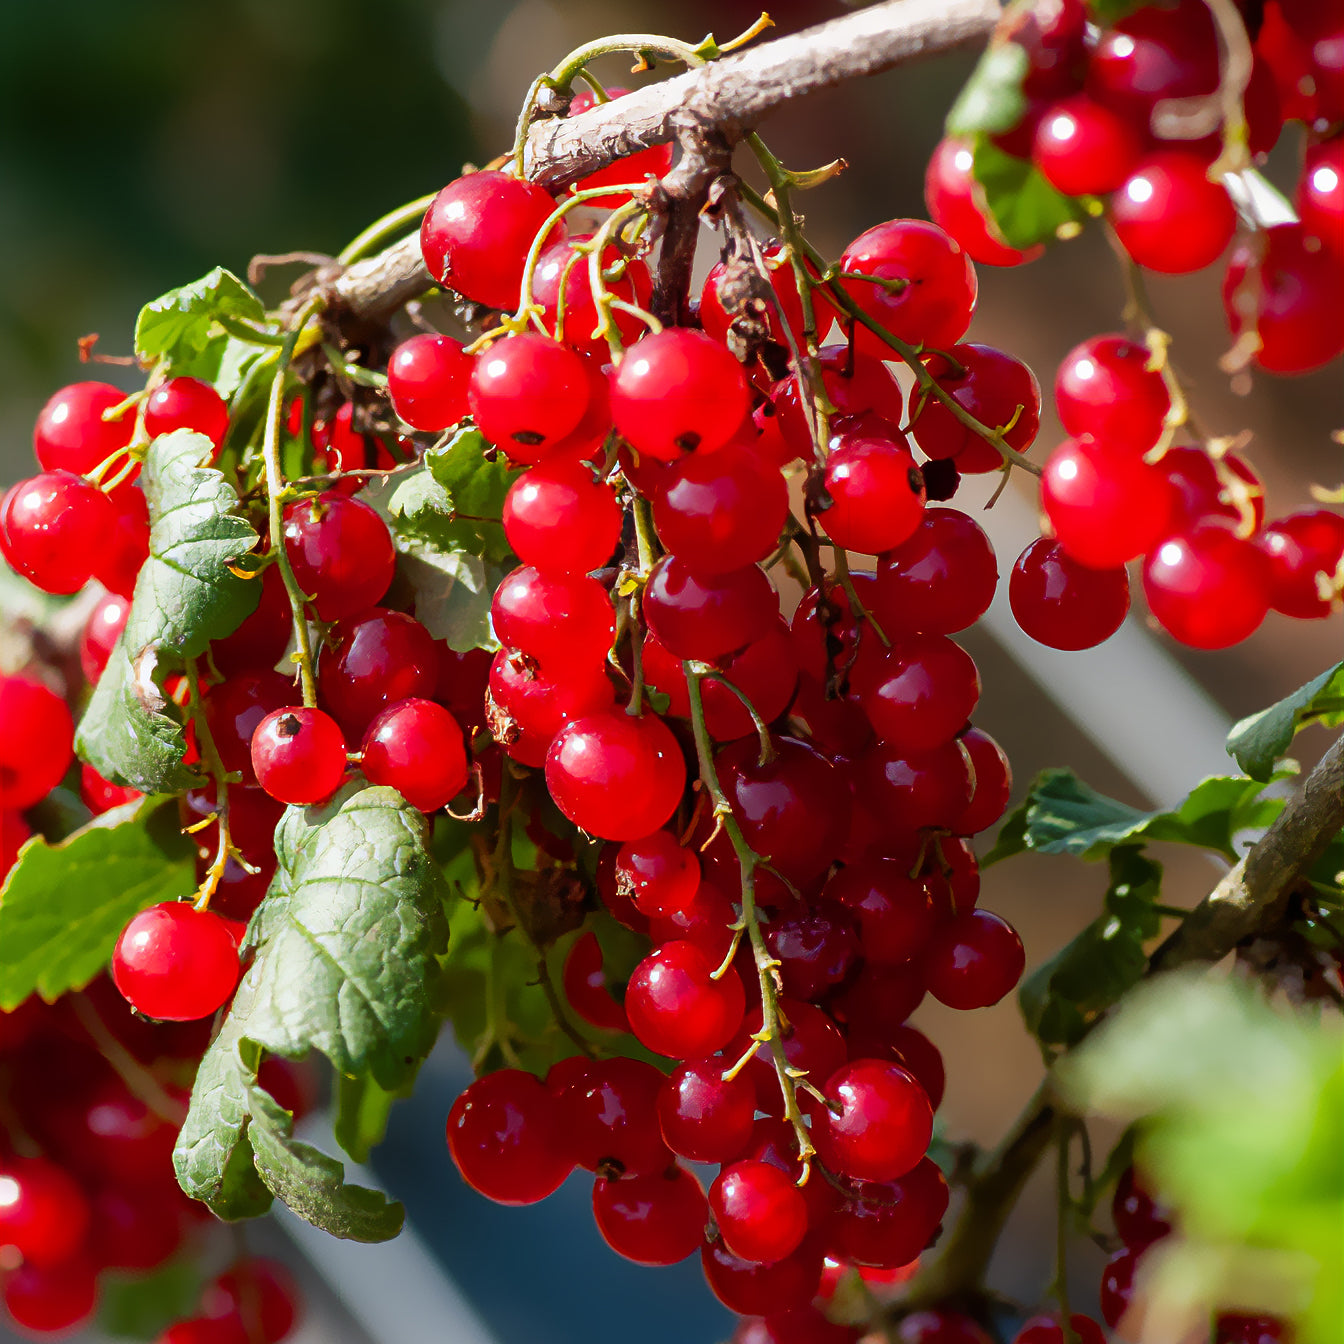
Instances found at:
x=1102 y=120
x=86 y=1175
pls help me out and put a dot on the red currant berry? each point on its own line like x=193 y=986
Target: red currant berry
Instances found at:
x=36 y=741
x=233 y=709
x=427 y=380
x=557 y=517
x=577 y=326
x=1062 y=603
x=861 y=389
x=940 y=1327
x=676 y=1007
x=503 y=1136
x=101 y=632
x=585 y=984
x=922 y=286
x=1169 y=217
x=614 y=775
x=880 y=1125
x=1320 y=192
x=928 y=789
x=703 y=1117
x=553 y=617
x=812 y=1043
x=941 y=579
x=71 y=434
x=921 y=694
x=1200 y=492
x=341 y=553
x=1305 y=552
x=705 y=922
x=817 y=948
x=1209 y=588
x=717 y=320
x=126 y=546
x=476 y=235
x=100 y=795
x=705 y=616
x=52 y=1300
x=996 y=389
x=608 y=1113
x=187 y=403
x=375 y=660
x=1106 y=389
x=1105 y=504
x=876 y=492
x=657 y=1219
x=1117 y=1285
x=260 y=641
x=53 y=528
x=527 y=707
x=1047 y=1330
x=1085 y=149
x=416 y=747
x=175 y=963
x=526 y=394
x=992 y=782
x=952 y=198
x=760 y=1212
x=44 y=1216
x=894 y=911
x=721 y=512
x=1286 y=286
x=973 y=960
x=1139 y=1219
x=660 y=876
x=886 y=1224
x=653 y=161
x=256 y=1300
x=676 y=391
x=1231 y=1328
x=752 y=1289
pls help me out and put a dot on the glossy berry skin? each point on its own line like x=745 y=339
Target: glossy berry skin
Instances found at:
x=973 y=960
x=527 y=393
x=1139 y=1220
x=992 y=783
x=760 y=1212
x=861 y=388
x=260 y=641
x=791 y=809
x=585 y=985
x=882 y=1125
x=53 y=528
x=527 y=707
x=1302 y=548
x=53 y=1300
x=174 y=963
x=677 y=1009
x=187 y=403
x=36 y=741
x=341 y=553
x=44 y=1215
x=476 y=235
x=708 y=615
x=1234 y=1328
x=1201 y=493
x=941 y=579
x=614 y=775
x=894 y=911
x=580 y=316
x=876 y=491
x=660 y=876
x=298 y=755
x=1209 y=589
x=103 y=628
x=701 y=1116
x=71 y=434
x=427 y=379
x=1287 y=287
x=950 y=195
x=256 y=1300
x=634 y=168
x=886 y=1224
x=935 y=305
x=608 y=1115
x=931 y=788
x=1117 y=1285
x=126 y=547
x=416 y=747
x=716 y=319
x=1105 y=504
x=554 y=617
x=1062 y=603
x=100 y=795
x=1320 y=192
x=1047 y=1330
x=721 y=512
x=812 y=1042
x=558 y=518
x=753 y=1289
x=375 y=660
x=678 y=391
x=996 y=389
x=1105 y=389
x=234 y=708
x=940 y=1327
x=1084 y=149
x=704 y=922
x=502 y=1134
x=1168 y=215
x=921 y=693
x=817 y=948
x=657 y=1219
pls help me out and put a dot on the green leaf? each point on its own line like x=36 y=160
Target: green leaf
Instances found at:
x=180 y=327
x=187 y=594
x=347 y=963
x=63 y=906
x=1062 y=815
x=457 y=502
x=1063 y=997
x=1025 y=208
x=450 y=593
x=362 y=1109
x=992 y=99
x=142 y=1306
x=1112 y=11
x=1257 y=742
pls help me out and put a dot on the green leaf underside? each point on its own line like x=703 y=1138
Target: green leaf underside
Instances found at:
x=179 y=328
x=362 y=1110
x=186 y=596
x=1257 y=742
x=1062 y=815
x=347 y=946
x=1061 y=998
x=450 y=593
x=992 y=99
x=1024 y=207
x=63 y=906
x=456 y=503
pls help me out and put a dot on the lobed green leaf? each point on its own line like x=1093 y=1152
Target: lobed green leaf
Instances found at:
x=1257 y=742
x=180 y=327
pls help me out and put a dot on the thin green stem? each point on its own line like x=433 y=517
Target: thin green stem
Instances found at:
x=205 y=743
x=377 y=233
x=249 y=331
x=767 y=751
x=275 y=490
x=355 y=373
x=140 y=1082
x=1063 y=1219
